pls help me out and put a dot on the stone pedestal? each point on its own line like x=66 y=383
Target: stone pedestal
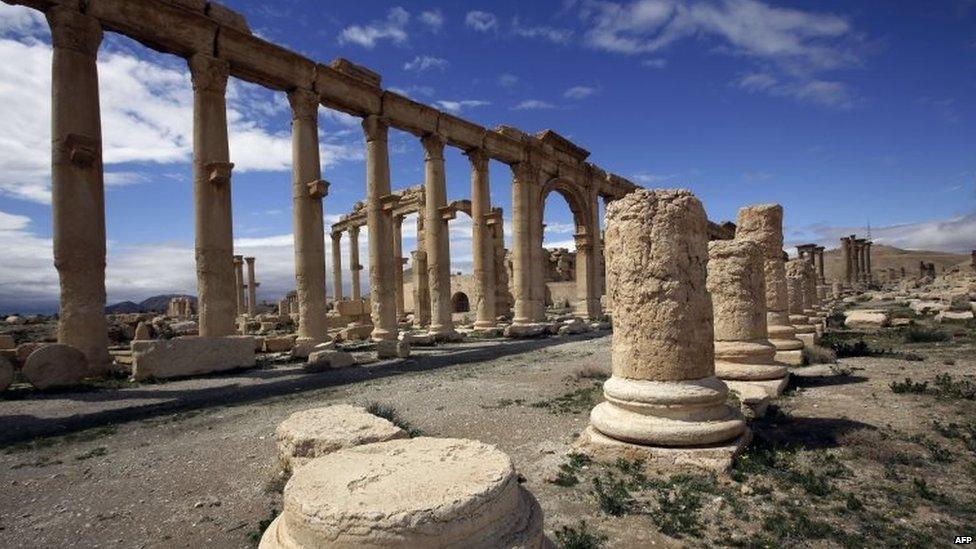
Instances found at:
x=307 y=192
x=421 y=492
x=764 y=224
x=77 y=186
x=212 y=198
x=737 y=285
x=663 y=393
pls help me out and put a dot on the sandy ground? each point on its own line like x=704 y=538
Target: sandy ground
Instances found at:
x=191 y=463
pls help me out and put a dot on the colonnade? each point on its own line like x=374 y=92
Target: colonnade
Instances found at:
x=857 y=260
x=815 y=255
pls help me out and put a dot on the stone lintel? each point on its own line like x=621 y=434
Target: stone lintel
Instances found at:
x=264 y=63
x=346 y=93
x=504 y=147
x=564 y=145
x=389 y=202
x=461 y=133
x=359 y=72
x=162 y=26
x=409 y=115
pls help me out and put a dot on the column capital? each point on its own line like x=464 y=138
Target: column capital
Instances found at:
x=208 y=74
x=478 y=158
x=433 y=144
x=354 y=232
x=73 y=30
x=250 y=260
x=304 y=104
x=523 y=172
x=336 y=236
x=376 y=128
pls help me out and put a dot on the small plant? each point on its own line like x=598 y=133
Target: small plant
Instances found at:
x=576 y=401
x=909 y=386
x=567 y=471
x=948 y=388
x=579 y=537
x=679 y=503
x=922 y=489
x=390 y=414
x=913 y=357
x=920 y=334
x=612 y=495
x=94 y=452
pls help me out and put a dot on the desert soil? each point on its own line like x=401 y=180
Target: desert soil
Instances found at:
x=841 y=460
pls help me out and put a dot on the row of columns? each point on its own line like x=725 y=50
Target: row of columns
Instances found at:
x=857 y=259
x=815 y=255
x=246 y=304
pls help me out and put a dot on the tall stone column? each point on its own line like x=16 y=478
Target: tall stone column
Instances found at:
x=337 y=266
x=796 y=283
x=869 y=277
x=584 y=276
x=481 y=242
x=596 y=253
x=820 y=265
x=846 y=247
x=379 y=219
x=212 y=197
x=398 y=261
x=522 y=174
x=307 y=192
x=663 y=391
x=77 y=186
x=438 y=243
x=743 y=352
x=811 y=300
x=252 y=288
x=354 y=265
x=538 y=255
x=503 y=298
x=421 y=280
x=764 y=224
x=239 y=281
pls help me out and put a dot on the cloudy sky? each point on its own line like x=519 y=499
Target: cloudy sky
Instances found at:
x=848 y=113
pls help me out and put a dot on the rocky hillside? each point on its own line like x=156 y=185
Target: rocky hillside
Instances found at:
x=154 y=304
x=884 y=257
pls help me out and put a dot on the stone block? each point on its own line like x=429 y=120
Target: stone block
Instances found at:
x=328 y=359
x=188 y=356
x=523 y=331
x=866 y=319
x=6 y=373
x=347 y=93
x=409 y=115
x=393 y=349
x=318 y=432
x=264 y=63
x=954 y=316
x=279 y=344
x=227 y=17
x=55 y=366
x=7 y=342
x=165 y=26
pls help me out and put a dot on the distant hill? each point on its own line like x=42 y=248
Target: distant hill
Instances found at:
x=154 y=304
x=885 y=257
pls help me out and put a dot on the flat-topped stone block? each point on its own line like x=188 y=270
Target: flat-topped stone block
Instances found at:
x=188 y=356
x=55 y=366
x=318 y=432
x=421 y=492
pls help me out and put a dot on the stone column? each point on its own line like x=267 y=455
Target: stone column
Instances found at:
x=354 y=265
x=77 y=186
x=811 y=301
x=212 y=197
x=398 y=261
x=845 y=244
x=379 y=218
x=239 y=280
x=737 y=285
x=796 y=283
x=481 y=242
x=596 y=258
x=337 y=265
x=764 y=224
x=503 y=305
x=521 y=241
x=820 y=265
x=307 y=191
x=539 y=256
x=438 y=243
x=252 y=288
x=421 y=280
x=869 y=277
x=663 y=391
x=584 y=276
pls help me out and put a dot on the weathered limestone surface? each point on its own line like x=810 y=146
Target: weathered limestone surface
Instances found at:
x=663 y=391
x=314 y=433
x=187 y=356
x=866 y=319
x=796 y=287
x=143 y=332
x=328 y=359
x=763 y=224
x=437 y=238
x=6 y=373
x=54 y=366
x=77 y=185
x=380 y=221
x=7 y=342
x=378 y=495
x=737 y=285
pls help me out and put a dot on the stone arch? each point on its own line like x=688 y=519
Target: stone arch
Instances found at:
x=575 y=196
x=460 y=303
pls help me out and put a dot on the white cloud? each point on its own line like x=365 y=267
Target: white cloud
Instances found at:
x=533 y=104
x=655 y=63
x=458 y=106
x=579 y=92
x=393 y=28
x=481 y=21
x=825 y=93
x=422 y=63
x=412 y=91
x=434 y=19
x=558 y=36
x=954 y=234
x=507 y=80
x=19 y=20
x=645 y=178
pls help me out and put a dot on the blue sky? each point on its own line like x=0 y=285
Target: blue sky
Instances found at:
x=845 y=112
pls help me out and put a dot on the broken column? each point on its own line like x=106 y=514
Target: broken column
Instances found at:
x=744 y=355
x=483 y=255
x=337 y=266
x=438 y=239
x=811 y=300
x=252 y=288
x=307 y=192
x=376 y=495
x=239 y=281
x=663 y=393
x=77 y=185
x=763 y=224
x=212 y=197
x=354 y=265
x=379 y=220
x=421 y=281
x=796 y=282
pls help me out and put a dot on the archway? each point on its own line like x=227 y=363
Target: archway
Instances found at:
x=460 y=303
x=567 y=273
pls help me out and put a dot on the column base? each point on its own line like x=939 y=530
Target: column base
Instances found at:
x=718 y=458
x=485 y=324
x=792 y=357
